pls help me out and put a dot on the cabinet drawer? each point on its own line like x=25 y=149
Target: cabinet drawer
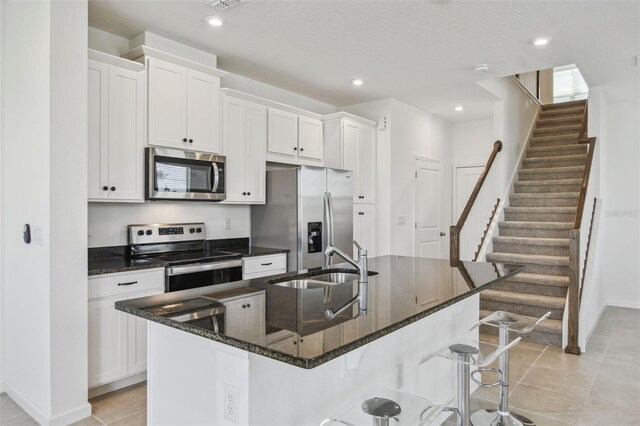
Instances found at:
x=124 y=283
x=264 y=265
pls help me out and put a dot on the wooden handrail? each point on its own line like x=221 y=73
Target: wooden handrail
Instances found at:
x=454 y=231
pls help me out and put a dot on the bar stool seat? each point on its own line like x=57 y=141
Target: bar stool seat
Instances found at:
x=505 y=322
x=467 y=354
x=382 y=406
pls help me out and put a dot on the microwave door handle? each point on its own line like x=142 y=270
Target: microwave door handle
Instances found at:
x=216 y=177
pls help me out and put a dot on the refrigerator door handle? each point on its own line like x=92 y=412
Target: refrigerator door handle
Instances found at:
x=328 y=207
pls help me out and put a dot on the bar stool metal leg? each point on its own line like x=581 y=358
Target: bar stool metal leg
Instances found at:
x=464 y=353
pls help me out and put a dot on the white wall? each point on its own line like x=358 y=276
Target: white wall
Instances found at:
x=44 y=323
x=472 y=141
x=108 y=222
x=513 y=117
x=107 y=42
x=416 y=133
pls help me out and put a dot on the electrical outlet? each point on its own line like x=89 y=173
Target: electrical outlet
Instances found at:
x=227 y=224
x=399 y=375
x=230 y=403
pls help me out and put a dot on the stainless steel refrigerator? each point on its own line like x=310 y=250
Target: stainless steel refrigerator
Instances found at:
x=306 y=209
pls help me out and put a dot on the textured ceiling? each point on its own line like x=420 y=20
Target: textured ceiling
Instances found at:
x=419 y=52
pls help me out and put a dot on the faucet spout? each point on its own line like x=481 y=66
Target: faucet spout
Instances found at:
x=361 y=266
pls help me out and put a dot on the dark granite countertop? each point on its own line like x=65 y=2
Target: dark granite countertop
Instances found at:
x=404 y=290
x=107 y=260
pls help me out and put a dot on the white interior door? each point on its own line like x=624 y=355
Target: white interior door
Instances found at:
x=465 y=179
x=429 y=222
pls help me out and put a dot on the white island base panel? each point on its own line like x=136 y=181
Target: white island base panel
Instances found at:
x=187 y=374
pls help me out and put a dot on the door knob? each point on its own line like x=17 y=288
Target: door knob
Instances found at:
x=442 y=234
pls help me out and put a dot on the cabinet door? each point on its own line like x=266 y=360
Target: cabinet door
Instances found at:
x=310 y=142
x=233 y=139
x=366 y=167
x=256 y=151
x=364 y=227
x=255 y=319
x=203 y=112
x=137 y=340
x=311 y=345
x=167 y=104
x=126 y=133
x=234 y=318
x=288 y=345
x=350 y=154
x=98 y=131
x=107 y=342
x=283 y=133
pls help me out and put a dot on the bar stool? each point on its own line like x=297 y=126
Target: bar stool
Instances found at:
x=467 y=355
x=380 y=405
x=505 y=322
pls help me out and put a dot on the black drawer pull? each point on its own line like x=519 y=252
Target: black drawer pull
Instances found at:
x=267 y=264
x=248 y=305
x=129 y=283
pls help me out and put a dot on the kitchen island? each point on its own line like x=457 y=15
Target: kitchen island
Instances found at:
x=293 y=366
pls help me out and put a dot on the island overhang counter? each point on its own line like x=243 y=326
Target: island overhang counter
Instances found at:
x=288 y=364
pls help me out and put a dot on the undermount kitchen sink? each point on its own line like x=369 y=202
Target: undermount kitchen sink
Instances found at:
x=336 y=277
x=310 y=284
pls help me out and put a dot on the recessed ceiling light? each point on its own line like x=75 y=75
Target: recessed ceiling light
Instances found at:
x=459 y=108
x=214 y=21
x=541 y=41
x=481 y=68
x=357 y=81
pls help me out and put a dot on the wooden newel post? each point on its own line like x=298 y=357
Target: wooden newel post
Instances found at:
x=574 y=292
x=454 y=246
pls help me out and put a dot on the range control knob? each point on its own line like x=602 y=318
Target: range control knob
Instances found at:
x=199 y=230
x=141 y=232
x=149 y=232
x=192 y=230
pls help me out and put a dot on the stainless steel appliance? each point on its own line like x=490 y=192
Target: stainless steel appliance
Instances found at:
x=307 y=209
x=184 y=175
x=190 y=262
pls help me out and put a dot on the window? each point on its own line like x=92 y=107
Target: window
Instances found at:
x=568 y=84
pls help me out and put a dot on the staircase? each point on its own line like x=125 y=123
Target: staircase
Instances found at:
x=535 y=231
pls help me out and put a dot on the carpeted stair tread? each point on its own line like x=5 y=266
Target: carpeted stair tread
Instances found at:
x=549 y=302
x=557 y=130
x=529 y=195
x=540 y=225
x=562 y=242
x=540 y=279
x=541 y=185
x=565 y=112
x=559 y=120
x=557 y=159
x=547 y=151
x=563 y=105
x=549 y=170
x=547 y=326
x=528 y=259
x=548 y=210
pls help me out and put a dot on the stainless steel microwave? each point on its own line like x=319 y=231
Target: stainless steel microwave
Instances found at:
x=173 y=174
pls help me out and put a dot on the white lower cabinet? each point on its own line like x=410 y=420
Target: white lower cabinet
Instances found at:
x=364 y=227
x=118 y=341
x=245 y=317
x=263 y=266
x=308 y=346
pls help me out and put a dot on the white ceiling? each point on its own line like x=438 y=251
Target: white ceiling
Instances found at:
x=419 y=52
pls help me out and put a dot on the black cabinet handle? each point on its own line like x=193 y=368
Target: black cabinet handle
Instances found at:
x=113 y=188
x=129 y=283
x=295 y=148
x=105 y=188
x=248 y=305
x=295 y=343
x=267 y=264
x=244 y=306
x=248 y=193
x=190 y=140
x=244 y=193
x=301 y=149
x=184 y=140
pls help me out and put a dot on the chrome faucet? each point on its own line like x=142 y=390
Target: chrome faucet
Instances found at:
x=361 y=265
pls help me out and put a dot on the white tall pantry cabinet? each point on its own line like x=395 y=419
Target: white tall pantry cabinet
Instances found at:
x=350 y=143
x=116 y=100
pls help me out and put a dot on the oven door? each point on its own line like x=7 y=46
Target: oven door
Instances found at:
x=184 y=175
x=194 y=275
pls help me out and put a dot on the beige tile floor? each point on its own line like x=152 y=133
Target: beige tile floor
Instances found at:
x=599 y=388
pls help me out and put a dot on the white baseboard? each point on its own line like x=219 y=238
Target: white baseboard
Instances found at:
x=118 y=384
x=624 y=304
x=71 y=416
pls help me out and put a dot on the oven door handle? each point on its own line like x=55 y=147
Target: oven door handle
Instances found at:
x=202 y=267
x=216 y=177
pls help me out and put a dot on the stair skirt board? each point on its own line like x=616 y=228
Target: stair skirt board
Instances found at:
x=535 y=230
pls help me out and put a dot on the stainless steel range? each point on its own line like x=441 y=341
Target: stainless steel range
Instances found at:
x=183 y=247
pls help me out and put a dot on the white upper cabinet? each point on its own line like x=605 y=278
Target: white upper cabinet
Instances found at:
x=115 y=132
x=351 y=144
x=283 y=133
x=184 y=107
x=244 y=138
x=310 y=143
x=294 y=138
